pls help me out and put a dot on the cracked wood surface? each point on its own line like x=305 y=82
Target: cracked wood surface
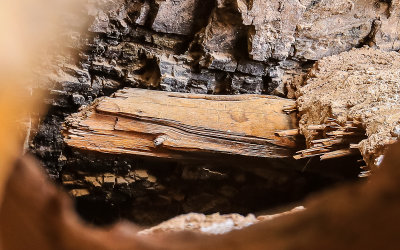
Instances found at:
x=176 y=125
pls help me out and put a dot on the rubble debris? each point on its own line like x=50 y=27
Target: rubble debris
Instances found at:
x=349 y=103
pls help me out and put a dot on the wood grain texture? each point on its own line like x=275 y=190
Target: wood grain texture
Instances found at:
x=171 y=125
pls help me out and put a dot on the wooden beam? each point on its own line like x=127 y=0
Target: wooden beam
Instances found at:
x=171 y=125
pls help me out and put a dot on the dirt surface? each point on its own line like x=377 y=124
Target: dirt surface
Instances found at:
x=361 y=85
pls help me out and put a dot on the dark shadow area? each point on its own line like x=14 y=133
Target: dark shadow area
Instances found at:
x=147 y=191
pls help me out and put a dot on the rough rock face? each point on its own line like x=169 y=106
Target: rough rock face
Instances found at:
x=330 y=27
x=176 y=17
x=310 y=30
x=273 y=25
x=361 y=86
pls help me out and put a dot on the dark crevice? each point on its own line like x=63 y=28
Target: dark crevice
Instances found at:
x=152 y=14
x=369 y=40
x=223 y=83
x=149 y=75
x=202 y=15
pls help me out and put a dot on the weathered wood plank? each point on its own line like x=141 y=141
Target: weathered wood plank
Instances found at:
x=170 y=125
